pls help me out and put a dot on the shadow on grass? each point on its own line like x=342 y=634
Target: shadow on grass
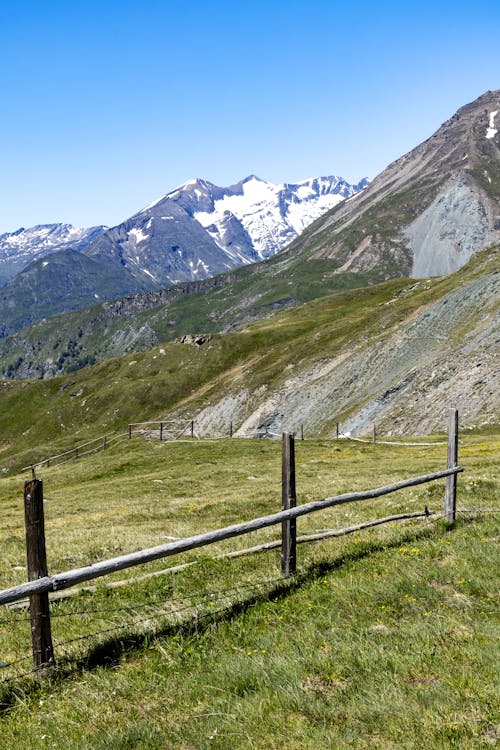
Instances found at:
x=110 y=652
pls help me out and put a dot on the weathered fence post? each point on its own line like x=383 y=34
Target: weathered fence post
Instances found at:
x=374 y=433
x=302 y=432
x=161 y=431
x=130 y=432
x=43 y=652
x=230 y=429
x=192 y=428
x=288 y=500
x=105 y=442
x=450 y=498
x=337 y=430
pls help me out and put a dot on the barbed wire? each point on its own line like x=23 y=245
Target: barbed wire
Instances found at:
x=55 y=668
x=217 y=594
x=208 y=597
x=184 y=604
x=9 y=620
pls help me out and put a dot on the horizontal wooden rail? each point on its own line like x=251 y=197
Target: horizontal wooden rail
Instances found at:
x=104 y=440
x=265 y=547
x=392 y=442
x=65 y=580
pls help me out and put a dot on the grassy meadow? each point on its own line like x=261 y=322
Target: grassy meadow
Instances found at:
x=384 y=638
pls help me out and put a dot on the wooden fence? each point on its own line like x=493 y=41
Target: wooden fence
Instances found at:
x=84 y=449
x=172 y=429
x=40 y=583
x=175 y=429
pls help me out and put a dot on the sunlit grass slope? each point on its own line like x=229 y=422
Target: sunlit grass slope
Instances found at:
x=385 y=638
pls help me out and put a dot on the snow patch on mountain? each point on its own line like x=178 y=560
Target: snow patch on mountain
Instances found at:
x=138 y=235
x=492 y=131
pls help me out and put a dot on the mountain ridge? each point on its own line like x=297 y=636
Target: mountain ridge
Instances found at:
x=165 y=244
x=21 y=247
x=464 y=145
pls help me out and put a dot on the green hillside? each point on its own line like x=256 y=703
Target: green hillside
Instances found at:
x=68 y=342
x=184 y=379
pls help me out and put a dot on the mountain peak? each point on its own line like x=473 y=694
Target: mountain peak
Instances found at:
x=252 y=178
x=19 y=248
x=200 y=229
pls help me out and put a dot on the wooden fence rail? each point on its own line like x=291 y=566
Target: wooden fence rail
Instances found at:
x=69 y=578
x=40 y=583
x=73 y=453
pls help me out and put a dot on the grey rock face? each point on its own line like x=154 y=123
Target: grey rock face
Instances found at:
x=450 y=230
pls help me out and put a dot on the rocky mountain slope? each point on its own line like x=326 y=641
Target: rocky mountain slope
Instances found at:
x=18 y=249
x=400 y=354
x=429 y=211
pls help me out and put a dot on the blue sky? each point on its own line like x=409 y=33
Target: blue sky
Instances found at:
x=108 y=105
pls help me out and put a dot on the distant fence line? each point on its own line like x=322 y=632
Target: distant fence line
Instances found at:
x=180 y=428
x=40 y=583
x=175 y=429
x=401 y=443
x=100 y=444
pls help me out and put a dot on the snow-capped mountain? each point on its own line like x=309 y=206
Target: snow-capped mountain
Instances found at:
x=200 y=229
x=18 y=249
x=193 y=233
x=268 y=215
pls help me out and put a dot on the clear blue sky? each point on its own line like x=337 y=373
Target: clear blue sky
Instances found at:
x=109 y=104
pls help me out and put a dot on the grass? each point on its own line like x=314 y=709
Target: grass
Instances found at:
x=384 y=639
